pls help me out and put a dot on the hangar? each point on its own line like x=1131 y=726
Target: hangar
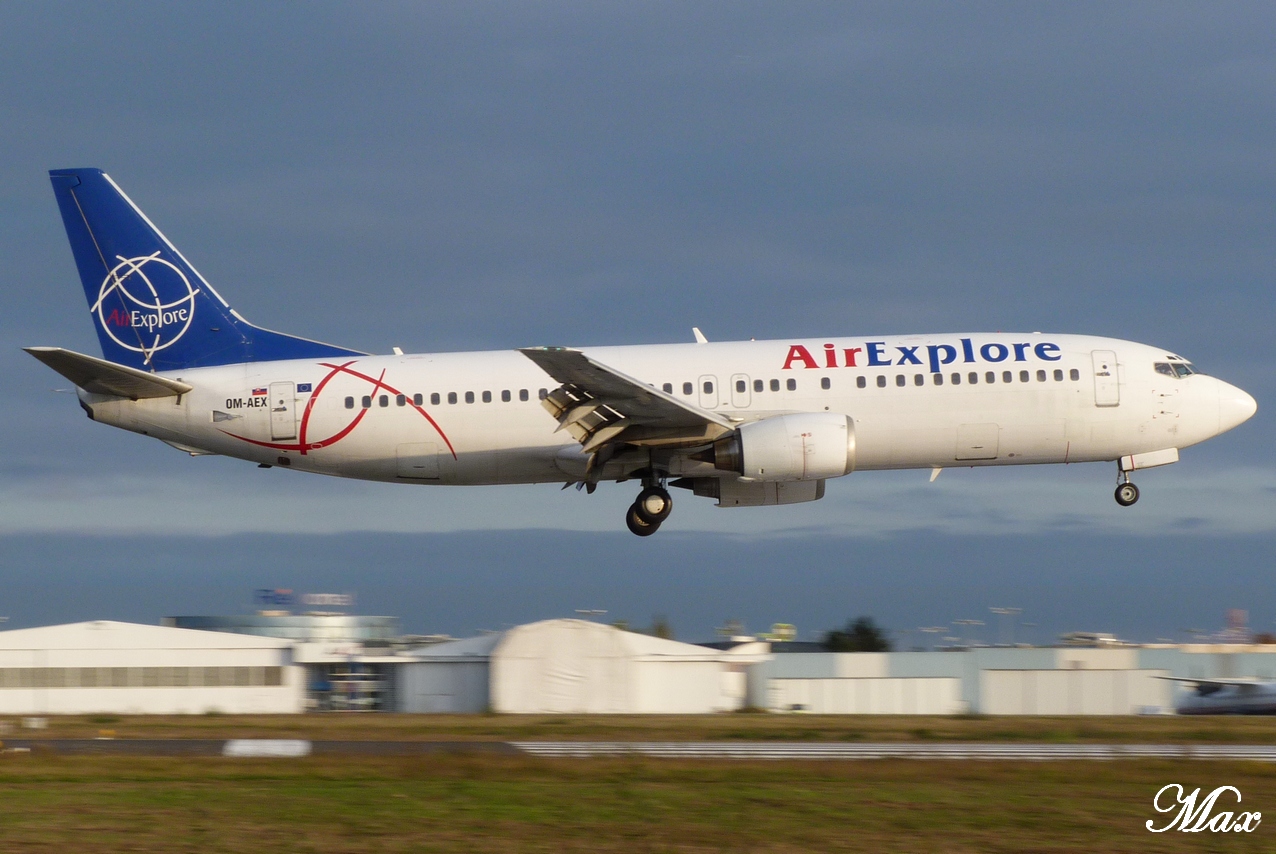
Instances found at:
x=126 y=668
x=576 y=666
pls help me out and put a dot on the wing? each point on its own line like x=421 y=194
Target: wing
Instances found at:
x=600 y=406
x=1240 y=683
x=102 y=377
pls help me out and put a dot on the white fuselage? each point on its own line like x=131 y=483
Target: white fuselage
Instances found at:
x=1258 y=698
x=997 y=399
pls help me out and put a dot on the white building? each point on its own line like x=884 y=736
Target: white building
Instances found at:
x=126 y=668
x=577 y=667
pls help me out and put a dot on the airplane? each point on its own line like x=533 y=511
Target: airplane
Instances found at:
x=1226 y=696
x=749 y=423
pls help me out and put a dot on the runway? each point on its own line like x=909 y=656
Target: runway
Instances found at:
x=753 y=751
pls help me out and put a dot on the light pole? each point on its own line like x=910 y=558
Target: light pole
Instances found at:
x=968 y=624
x=932 y=630
x=1006 y=612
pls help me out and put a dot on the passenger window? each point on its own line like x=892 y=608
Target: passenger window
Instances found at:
x=367 y=401
x=758 y=385
x=775 y=385
x=505 y=396
x=542 y=393
x=741 y=386
x=451 y=397
x=708 y=387
x=469 y=397
x=899 y=380
x=1007 y=377
x=687 y=388
x=861 y=381
x=826 y=383
x=384 y=400
x=522 y=394
x=1041 y=376
x=918 y=379
x=791 y=385
x=667 y=388
x=1164 y=368
x=939 y=378
x=349 y=403
x=418 y=399
x=1074 y=374
x=956 y=379
x=1058 y=375
x=1023 y=376
x=973 y=378
x=434 y=399
x=990 y=377
x=487 y=397
x=881 y=381
x=400 y=400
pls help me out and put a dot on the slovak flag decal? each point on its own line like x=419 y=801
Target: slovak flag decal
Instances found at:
x=259 y=391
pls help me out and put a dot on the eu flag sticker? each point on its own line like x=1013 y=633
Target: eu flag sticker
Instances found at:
x=303 y=387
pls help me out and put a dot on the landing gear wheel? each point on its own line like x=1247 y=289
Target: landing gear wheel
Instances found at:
x=638 y=524
x=1127 y=494
x=654 y=504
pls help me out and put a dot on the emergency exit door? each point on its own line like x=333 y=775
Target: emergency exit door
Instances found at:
x=1107 y=388
x=708 y=392
x=283 y=411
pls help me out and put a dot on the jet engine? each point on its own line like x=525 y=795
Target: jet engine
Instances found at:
x=806 y=446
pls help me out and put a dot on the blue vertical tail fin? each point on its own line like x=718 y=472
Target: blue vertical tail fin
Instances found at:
x=151 y=308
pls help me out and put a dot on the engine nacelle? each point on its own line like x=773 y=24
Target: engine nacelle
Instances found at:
x=808 y=446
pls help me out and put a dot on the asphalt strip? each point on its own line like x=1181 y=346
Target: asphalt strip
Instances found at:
x=296 y=748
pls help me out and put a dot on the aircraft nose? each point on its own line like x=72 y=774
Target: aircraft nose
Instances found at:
x=1235 y=407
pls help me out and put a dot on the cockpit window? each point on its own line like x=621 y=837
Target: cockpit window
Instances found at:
x=1175 y=369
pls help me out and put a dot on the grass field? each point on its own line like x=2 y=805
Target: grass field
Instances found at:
x=502 y=804
x=738 y=727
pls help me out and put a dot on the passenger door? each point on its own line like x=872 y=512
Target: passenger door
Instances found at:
x=1107 y=388
x=283 y=411
x=740 y=394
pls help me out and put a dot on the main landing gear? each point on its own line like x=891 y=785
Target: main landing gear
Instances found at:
x=652 y=506
x=1126 y=492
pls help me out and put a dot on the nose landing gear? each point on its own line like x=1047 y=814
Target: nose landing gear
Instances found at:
x=653 y=506
x=1126 y=492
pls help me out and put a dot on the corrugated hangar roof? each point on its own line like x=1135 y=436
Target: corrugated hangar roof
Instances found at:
x=530 y=640
x=109 y=634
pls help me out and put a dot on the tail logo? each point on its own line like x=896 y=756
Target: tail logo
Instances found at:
x=151 y=308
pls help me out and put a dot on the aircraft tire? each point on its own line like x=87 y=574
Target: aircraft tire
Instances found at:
x=657 y=498
x=1127 y=494
x=638 y=525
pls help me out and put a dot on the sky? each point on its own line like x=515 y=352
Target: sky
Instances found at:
x=457 y=176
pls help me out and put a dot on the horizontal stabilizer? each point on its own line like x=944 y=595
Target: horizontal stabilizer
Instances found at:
x=102 y=377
